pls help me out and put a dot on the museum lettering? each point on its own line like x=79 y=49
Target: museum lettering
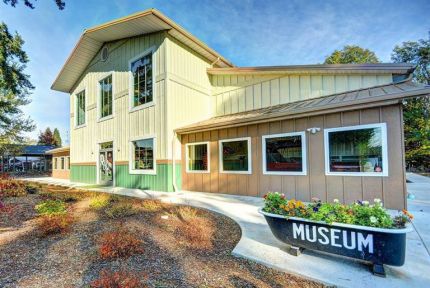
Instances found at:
x=335 y=237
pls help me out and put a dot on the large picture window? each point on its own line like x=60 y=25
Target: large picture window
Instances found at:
x=357 y=150
x=235 y=155
x=143 y=156
x=284 y=154
x=142 y=82
x=106 y=97
x=197 y=157
x=80 y=108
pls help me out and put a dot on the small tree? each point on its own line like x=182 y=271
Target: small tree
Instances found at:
x=352 y=54
x=46 y=138
x=57 y=138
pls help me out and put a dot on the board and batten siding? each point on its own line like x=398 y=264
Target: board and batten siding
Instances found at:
x=391 y=189
x=239 y=93
x=124 y=125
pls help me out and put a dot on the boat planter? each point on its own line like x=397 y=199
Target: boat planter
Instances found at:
x=376 y=245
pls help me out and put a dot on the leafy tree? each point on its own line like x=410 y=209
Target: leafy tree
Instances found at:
x=352 y=54
x=57 y=138
x=15 y=88
x=46 y=137
x=29 y=3
x=416 y=111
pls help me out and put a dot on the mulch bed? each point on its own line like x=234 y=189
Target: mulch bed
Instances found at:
x=168 y=258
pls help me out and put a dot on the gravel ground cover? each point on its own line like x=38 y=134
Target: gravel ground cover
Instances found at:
x=116 y=241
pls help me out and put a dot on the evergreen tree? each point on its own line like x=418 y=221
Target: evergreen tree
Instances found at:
x=46 y=137
x=57 y=138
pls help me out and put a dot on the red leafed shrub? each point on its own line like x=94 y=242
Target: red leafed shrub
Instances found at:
x=120 y=243
x=12 y=188
x=119 y=279
x=56 y=223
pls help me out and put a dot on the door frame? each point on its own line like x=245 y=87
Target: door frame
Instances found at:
x=113 y=160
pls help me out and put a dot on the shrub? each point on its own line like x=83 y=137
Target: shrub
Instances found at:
x=151 y=205
x=119 y=279
x=32 y=188
x=51 y=207
x=99 y=201
x=12 y=188
x=54 y=224
x=358 y=213
x=120 y=210
x=120 y=243
x=197 y=231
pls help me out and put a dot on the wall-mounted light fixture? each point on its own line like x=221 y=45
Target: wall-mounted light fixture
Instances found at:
x=314 y=130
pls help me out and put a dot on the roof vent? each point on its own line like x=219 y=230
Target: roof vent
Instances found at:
x=104 y=54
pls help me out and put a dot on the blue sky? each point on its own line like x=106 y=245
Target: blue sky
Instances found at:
x=248 y=33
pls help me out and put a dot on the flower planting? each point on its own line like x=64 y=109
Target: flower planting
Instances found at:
x=118 y=244
x=359 y=213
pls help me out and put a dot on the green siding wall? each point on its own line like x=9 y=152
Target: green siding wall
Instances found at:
x=83 y=174
x=162 y=181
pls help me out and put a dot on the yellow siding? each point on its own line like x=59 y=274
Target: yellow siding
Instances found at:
x=124 y=125
x=258 y=91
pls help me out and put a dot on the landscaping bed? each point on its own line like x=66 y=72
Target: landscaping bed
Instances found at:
x=62 y=237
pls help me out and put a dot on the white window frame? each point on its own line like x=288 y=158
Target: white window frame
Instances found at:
x=383 y=127
x=76 y=109
x=131 y=169
x=187 y=157
x=131 y=81
x=105 y=75
x=221 y=167
x=304 y=153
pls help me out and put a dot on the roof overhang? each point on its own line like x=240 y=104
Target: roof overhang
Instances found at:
x=377 y=96
x=148 y=21
x=58 y=150
x=380 y=68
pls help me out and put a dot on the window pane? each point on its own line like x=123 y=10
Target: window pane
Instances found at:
x=198 y=157
x=143 y=154
x=284 y=154
x=235 y=155
x=356 y=150
x=106 y=96
x=142 y=78
x=80 y=105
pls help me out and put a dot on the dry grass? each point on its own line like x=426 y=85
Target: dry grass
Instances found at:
x=120 y=210
x=118 y=279
x=185 y=212
x=197 y=233
x=118 y=244
x=151 y=205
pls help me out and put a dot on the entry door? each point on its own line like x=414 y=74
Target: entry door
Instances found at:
x=106 y=163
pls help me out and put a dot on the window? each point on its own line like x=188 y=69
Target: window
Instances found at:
x=284 y=154
x=62 y=163
x=106 y=102
x=55 y=163
x=142 y=84
x=235 y=155
x=143 y=156
x=357 y=150
x=197 y=157
x=68 y=163
x=80 y=108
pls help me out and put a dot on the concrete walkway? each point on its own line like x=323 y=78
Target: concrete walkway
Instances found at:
x=258 y=243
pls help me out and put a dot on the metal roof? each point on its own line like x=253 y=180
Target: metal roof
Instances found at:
x=140 y=23
x=350 y=100
x=35 y=150
x=380 y=68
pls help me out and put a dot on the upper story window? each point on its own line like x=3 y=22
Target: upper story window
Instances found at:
x=357 y=150
x=235 y=155
x=80 y=108
x=284 y=154
x=142 y=80
x=106 y=97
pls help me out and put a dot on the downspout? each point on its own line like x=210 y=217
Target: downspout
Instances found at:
x=175 y=188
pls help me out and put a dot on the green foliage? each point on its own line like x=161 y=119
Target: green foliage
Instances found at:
x=57 y=138
x=51 y=207
x=100 y=201
x=359 y=213
x=60 y=4
x=15 y=88
x=120 y=210
x=416 y=111
x=352 y=54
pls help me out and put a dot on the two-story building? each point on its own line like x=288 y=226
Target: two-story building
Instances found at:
x=152 y=107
